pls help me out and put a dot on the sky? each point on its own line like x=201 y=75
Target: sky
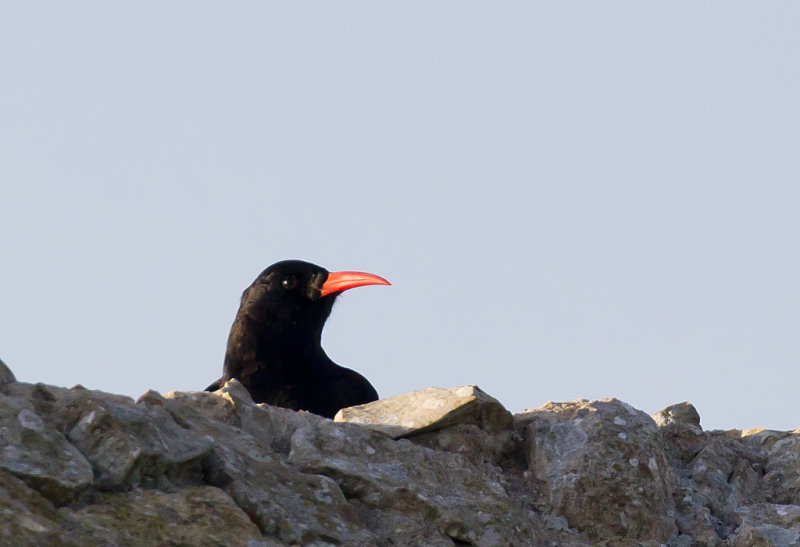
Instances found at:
x=571 y=199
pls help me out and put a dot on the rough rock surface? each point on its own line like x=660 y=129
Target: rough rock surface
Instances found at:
x=602 y=466
x=435 y=467
x=430 y=409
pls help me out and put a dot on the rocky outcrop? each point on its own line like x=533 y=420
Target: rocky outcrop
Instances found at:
x=434 y=467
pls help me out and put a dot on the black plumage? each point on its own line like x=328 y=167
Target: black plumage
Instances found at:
x=274 y=348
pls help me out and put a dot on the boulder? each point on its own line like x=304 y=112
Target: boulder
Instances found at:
x=35 y=451
x=603 y=468
x=429 y=410
x=6 y=376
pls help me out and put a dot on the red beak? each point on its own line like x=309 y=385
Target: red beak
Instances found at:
x=341 y=281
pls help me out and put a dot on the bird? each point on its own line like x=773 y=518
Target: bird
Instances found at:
x=274 y=347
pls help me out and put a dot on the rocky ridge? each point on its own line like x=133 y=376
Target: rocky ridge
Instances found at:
x=432 y=467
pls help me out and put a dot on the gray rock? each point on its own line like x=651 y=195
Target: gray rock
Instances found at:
x=430 y=409
x=458 y=501
x=6 y=376
x=193 y=515
x=682 y=442
x=25 y=515
x=782 y=468
x=724 y=475
x=503 y=448
x=34 y=451
x=81 y=467
x=285 y=503
x=767 y=524
x=132 y=444
x=747 y=536
x=680 y=413
x=603 y=467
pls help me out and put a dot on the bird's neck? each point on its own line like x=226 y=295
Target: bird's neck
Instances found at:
x=278 y=346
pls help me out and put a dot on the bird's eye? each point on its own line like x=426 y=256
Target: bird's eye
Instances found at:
x=289 y=282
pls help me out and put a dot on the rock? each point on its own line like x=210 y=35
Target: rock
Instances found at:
x=724 y=475
x=33 y=450
x=767 y=524
x=194 y=515
x=603 y=466
x=680 y=428
x=6 y=376
x=397 y=481
x=285 y=503
x=25 y=515
x=782 y=467
x=747 y=536
x=436 y=467
x=132 y=444
x=681 y=413
x=428 y=410
x=503 y=448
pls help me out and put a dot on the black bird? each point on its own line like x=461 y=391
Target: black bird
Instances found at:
x=274 y=348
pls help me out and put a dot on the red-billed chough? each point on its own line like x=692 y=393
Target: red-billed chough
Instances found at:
x=274 y=348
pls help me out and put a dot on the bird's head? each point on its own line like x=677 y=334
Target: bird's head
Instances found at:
x=294 y=297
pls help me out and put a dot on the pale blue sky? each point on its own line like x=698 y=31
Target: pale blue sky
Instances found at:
x=570 y=199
